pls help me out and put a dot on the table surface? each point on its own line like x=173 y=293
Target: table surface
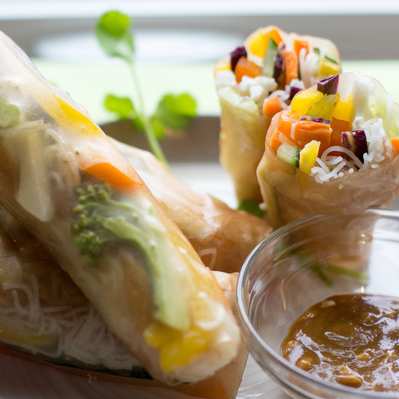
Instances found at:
x=88 y=83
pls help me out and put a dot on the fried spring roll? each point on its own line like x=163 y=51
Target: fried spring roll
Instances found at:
x=334 y=151
x=223 y=237
x=64 y=180
x=259 y=80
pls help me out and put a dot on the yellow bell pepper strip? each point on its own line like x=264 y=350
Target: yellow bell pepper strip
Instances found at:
x=258 y=41
x=308 y=156
x=323 y=108
x=344 y=109
x=303 y=100
x=328 y=67
x=68 y=116
x=177 y=348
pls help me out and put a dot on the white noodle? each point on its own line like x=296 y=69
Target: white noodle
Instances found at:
x=349 y=153
x=322 y=165
x=323 y=177
x=74 y=332
x=332 y=161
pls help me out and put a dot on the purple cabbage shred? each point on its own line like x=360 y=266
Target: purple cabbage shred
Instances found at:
x=235 y=55
x=328 y=85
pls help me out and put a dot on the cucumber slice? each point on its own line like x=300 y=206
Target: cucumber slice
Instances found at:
x=288 y=153
x=268 y=61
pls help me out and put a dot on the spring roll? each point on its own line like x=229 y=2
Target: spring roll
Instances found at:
x=223 y=237
x=258 y=80
x=43 y=313
x=333 y=151
x=64 y=180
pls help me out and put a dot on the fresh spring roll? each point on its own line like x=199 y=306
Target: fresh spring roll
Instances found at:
x=223 y=237
x=42 y=312
x=258 y=80
x=333 y=151
x=64 y=180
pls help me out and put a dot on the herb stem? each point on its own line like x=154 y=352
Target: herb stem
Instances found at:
x=149 y=131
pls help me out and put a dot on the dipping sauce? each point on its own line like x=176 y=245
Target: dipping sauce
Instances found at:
x=351 y=340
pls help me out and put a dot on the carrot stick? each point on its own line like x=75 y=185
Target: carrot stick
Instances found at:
x=108 y=173
x=395 y=145
x=247 y=68
x=271 y=106
x=290 y=62
x=299 y=44
x=306 y=131
x=338 y=126
x=279 y=126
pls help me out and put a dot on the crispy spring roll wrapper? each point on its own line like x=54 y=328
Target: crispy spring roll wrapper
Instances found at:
x=243 y=122
x=291 y=194
x=222 y=236
x=67 y=183
x=44 y=314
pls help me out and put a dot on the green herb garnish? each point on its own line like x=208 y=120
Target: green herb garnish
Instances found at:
x=252 y=207
x=173 y=111
x=330 y=59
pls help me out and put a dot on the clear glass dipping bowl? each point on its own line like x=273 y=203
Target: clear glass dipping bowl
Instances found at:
x=302 y=264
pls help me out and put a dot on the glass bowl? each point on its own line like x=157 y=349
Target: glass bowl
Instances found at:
x=302 y=264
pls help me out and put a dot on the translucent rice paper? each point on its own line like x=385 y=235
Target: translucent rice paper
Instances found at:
x=243 y=130
x=290 y=194
x=44 y=313
x=150 y=276
x=242 y=136
x=222 y=236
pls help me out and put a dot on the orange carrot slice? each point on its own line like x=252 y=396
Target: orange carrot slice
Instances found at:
x=275 y=34
x=246 y=67
x=271 y=106
x=274 y=141
x=279 y=126
x=395 y=145
x=290 y=62
x=108 y=173
x=306 y=131
x=338 y=126
x=299 y=44
x=284 y=125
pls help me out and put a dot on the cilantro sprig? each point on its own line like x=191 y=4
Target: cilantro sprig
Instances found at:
x=173 y=111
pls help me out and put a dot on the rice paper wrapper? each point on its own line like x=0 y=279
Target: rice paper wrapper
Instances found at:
x=41 y=309
x=243 y=131
x=222 y=236
x=242 y=137
x=290 y=194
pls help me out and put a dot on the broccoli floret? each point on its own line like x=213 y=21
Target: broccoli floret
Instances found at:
x=101 y=220
x=88 y=229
